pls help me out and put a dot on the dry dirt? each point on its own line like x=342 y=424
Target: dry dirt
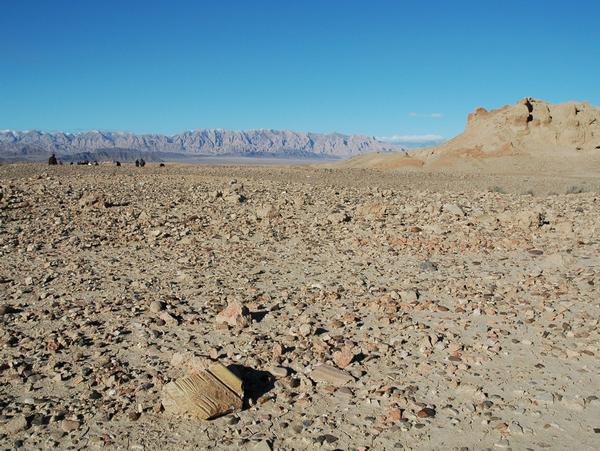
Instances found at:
x=462 y=310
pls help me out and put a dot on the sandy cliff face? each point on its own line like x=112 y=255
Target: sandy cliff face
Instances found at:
x=528 y=127
x=529 y=136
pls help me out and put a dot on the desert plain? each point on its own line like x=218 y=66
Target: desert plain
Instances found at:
x=452 y=310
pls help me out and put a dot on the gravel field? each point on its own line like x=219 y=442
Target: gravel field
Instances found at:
x=363 y=309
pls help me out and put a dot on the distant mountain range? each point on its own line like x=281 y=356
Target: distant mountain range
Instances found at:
x=36 y=145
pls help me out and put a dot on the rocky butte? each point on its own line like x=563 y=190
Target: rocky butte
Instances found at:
x=531 y=135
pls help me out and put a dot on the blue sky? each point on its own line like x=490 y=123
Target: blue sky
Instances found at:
x=381 y=68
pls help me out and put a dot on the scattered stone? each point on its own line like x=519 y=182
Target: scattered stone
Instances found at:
x=235 y=315
x=169 y=319
x=344 y=357
x=278 y=371
x=69 y=425
x=16 y=424
x=428 y=266
x=394 y=414
x=502 y=444
x=205 y=394
x=489 y=317
x=305 y=330
x=330 y=375
x=267 y=212
x=543 y=398
x=94 y=200
x=156 y=306
x=326 y=438
x=338 y=218
x=426 y=413
x=277 y=351
x=263 y=445
x=409 y=295
x=453 y=209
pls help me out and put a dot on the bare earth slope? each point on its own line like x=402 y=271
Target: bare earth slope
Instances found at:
x=530 y=136
x=459 y=317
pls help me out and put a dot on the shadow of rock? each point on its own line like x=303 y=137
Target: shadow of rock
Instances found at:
x=359 y=357
x=259 y=315
x=9 y=309
x=256 y=383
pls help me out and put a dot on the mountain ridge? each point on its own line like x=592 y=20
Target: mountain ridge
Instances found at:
x=201 y=142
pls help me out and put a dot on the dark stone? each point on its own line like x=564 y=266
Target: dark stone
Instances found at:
x=428 y=266
x=39 y=420
x=326 y=438
x=426 y=413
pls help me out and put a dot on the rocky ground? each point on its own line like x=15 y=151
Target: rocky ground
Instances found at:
x=452 y=311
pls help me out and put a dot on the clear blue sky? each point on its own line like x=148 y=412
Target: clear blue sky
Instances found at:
x=374 y=67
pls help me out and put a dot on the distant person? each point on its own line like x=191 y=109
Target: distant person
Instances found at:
x=52 y=161
x=118 y=163
x=137 y=163
x=142 y=163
